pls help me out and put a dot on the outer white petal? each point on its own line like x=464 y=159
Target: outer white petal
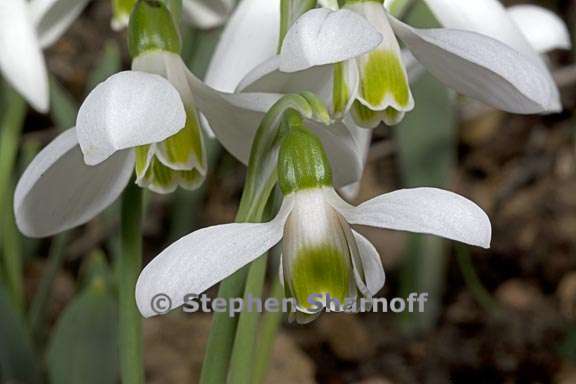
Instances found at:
x=250 y=37
x=53 y=17
x=487 y=17
x=423 y=210
x=482 y=68
x=363 y=140
x=21 y=61
x=322 y=36
x=268 y=78
x=543 y=29
x=235 y=118
x=203 y=258
x=371 y=263
x=127 y=110
x=58 y=191
x=207 y=13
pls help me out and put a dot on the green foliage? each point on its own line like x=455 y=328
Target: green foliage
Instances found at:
x=84 y=345
x=18 y=361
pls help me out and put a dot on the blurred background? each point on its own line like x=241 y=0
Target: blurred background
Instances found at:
x=505 y=315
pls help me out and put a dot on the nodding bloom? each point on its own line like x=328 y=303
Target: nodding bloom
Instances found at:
x=492 y=62
x=321 y=253
x=147 y=120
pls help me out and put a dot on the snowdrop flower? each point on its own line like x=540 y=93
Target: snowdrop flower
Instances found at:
x=147 y=120
x=322 y=254
x=25 y=29
x=375 y=87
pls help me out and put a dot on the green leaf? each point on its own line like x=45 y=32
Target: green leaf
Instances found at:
x=84 y=345
x=109 y=64
x=427 y=145
x=63 y=107
x=18 y=362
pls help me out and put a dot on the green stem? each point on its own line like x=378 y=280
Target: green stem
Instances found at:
x=40 y=301
x=14 y=111
x=260 y=181
x=129 y=266
x=472 y=280
x=269 y=328
x=221 y=339
x=241 y=363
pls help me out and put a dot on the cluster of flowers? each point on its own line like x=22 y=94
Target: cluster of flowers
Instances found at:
x=153 y=118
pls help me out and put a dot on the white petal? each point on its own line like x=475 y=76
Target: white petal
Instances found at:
x=235 y=118
x=322 y=36
x=250 y=37
x=364 y=139
x=21 y=60
x=53 y=17
x=543 y=29
x=482 y=68
x=371 y=263
x=127 y=110
x=58 y=191
x=268 y=78
x=207 y=14
x=487 y=17
x=203 y=258
x=423 y=210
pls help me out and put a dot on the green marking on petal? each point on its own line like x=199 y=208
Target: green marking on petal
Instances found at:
x=320 y=270
x=158 y=178
x=391 y=116
x=383 y=80
x=190 y=180
x=364 y=117
x=142 y=162
x=340 y=92
x=185 y=150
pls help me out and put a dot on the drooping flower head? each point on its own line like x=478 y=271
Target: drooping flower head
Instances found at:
x=322 y=254
x=146 y=120
x=374 y=86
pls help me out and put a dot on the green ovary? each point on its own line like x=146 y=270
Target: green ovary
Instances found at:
x=383 y=75
x=320 y=270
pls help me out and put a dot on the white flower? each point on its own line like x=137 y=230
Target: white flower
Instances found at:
x=25 y=29
x=147 y=120
x=376 y=83
x=321 y=253
x=310 y=218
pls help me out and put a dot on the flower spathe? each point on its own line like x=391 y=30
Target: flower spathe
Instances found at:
x=321 y=253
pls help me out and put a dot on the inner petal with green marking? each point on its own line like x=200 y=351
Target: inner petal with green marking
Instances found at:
x=320 y=270
x=179 y=160
x=383 y=90
x=316 y=252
